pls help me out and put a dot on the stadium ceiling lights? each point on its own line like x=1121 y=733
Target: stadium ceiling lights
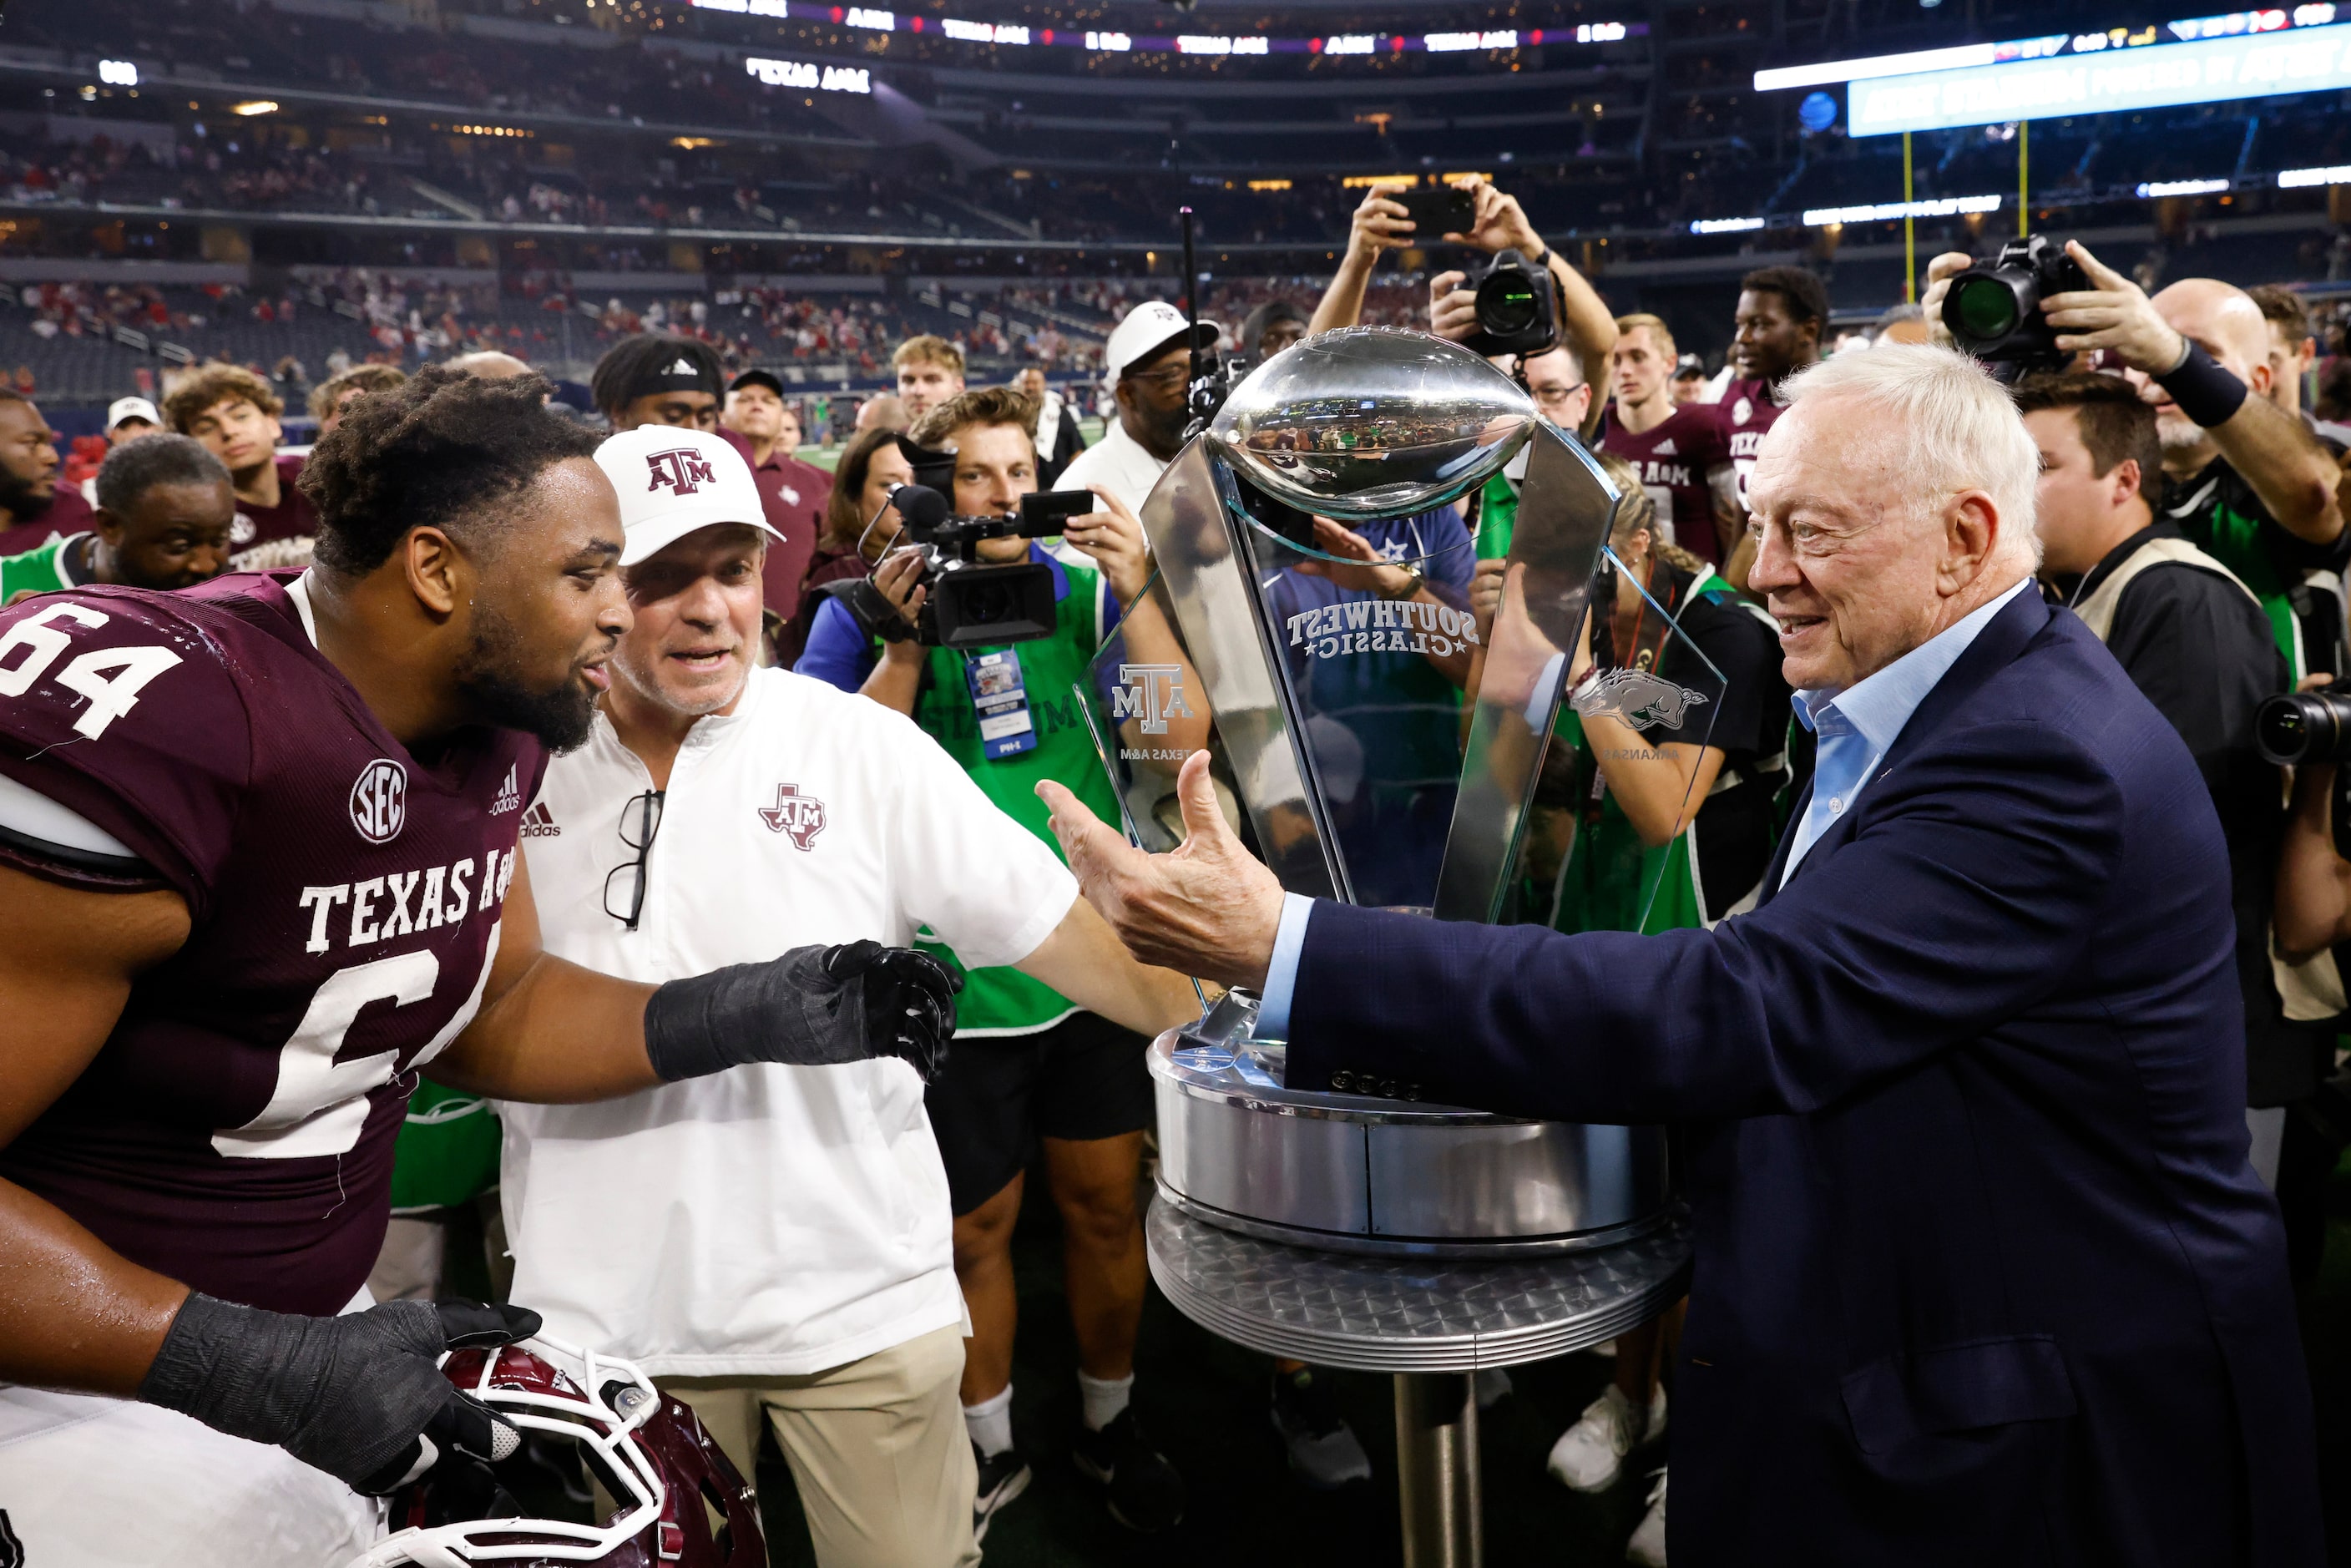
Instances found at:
x=118 y=73
x=1213 y=45
x=2289 y=179
x=2202 y=59
x=252 y=107
x=1834 y=217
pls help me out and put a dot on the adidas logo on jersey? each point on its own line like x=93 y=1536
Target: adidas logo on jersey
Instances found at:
x=509 y=797
x=1664 y=449
x=539 y=823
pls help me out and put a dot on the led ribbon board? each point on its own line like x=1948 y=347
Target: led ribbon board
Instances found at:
x=2254 y=63
x=1023 y=35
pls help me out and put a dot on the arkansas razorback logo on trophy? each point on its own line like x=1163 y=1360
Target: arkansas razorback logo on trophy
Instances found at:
x=802 y=816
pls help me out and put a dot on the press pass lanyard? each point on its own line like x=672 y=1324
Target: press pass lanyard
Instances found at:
x=1001 y=697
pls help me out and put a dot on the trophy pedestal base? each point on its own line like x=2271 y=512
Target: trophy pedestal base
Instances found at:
x=1381 y=1176
x=1430 y=1325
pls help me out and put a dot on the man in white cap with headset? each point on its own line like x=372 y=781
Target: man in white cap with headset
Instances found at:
x=775 y=1245
x=1147 y=363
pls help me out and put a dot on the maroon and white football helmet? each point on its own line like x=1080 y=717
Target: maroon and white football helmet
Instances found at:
x=648 y=1450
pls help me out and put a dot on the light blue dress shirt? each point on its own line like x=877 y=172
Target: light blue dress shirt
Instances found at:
x=1858 y=727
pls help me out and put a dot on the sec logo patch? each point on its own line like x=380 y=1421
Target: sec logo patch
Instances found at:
x=379 y=802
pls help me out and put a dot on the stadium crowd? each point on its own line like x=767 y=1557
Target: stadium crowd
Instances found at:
x=2189 y=510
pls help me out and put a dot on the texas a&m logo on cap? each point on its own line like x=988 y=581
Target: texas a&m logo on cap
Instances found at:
x=802 y=816
x=379 y=802
x=682 y=468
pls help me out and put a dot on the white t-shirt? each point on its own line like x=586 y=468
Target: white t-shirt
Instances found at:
x=764 y=1220
x=1118 y=464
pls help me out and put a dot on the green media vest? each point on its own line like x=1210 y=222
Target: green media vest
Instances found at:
x=41 y=570
x=1004 y=1001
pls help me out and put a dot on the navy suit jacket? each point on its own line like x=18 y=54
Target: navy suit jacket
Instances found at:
x=1982 y=1275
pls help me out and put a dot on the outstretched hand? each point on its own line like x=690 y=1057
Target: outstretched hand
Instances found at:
x=1205 y=909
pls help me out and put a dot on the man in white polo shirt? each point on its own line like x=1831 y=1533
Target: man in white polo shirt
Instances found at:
x=778 y=1247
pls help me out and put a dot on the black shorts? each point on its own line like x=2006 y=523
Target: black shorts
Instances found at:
x=1083 y=1078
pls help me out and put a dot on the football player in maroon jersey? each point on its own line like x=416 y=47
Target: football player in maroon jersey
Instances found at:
x=1679 y=449
x=1781 y=313
x=256 y=867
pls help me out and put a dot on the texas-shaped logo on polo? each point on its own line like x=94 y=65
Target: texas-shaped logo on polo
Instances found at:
x=801 y=816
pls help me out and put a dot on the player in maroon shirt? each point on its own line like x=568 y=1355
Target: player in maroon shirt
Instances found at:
x=1781 y=313
x=256 y=867
x=235 y=413
x=1679 y=449
x=34 y=507
x=765 y=429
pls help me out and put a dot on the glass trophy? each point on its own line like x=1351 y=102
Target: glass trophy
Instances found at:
x=1386 y=725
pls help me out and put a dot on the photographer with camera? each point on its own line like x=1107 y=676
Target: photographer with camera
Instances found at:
x=1030 y=1065
x=2194 y=639
x=2248 y=482
x=1148 y=363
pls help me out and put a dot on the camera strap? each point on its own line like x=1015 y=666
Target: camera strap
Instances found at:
x=999 y=694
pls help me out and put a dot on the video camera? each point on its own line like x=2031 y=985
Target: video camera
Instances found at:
x=1517 y=307
x=1993 y=310
x=969 y=603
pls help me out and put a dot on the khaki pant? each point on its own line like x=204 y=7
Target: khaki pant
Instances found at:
x=878 y=1446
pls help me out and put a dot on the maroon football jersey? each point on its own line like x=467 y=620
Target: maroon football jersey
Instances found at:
x=235 y=1131
x=1674 y=460
x=292 y=518
x=1746 y=412
x=68 y=514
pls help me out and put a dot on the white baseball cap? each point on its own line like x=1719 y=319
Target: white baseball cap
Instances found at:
x=124 y=408
x=1149 y=328
x=674 y=481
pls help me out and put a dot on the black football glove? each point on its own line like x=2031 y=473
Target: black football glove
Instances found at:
x=362 y=1396
x=813 y=1007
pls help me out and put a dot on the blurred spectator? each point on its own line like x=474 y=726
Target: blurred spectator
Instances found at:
x=328 y=398
x=164 y=512
x=1269 y=329
x=1900 y=324
x=2294 y=350
x=930 y=372
x=1776 y=326
x=859 y=526
x=1058 y=441
x=1690 y=375
x=1679 y=451
x=1148 y=364
x=490 y=364
x=234 y=415
x=767 y=431
x=129 y=418
x=883 y=412
x=33 y=509
x=651 y=377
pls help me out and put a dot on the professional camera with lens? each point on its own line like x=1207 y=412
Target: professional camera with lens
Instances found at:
x=1517 y=307
x=1993 y=310
x=2295 y=727
x=969 y=603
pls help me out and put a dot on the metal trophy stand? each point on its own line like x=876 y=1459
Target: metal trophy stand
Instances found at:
x=1431 y=1323
x=1354 y=1224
